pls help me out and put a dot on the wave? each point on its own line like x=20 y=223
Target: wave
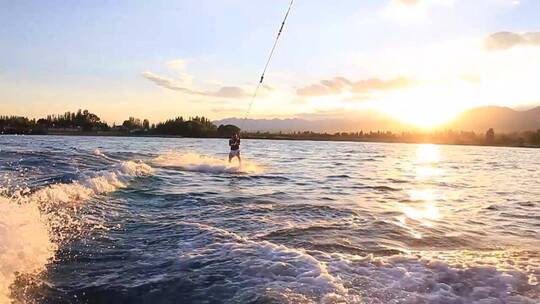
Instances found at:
x=25 y=244
x=31 y=224
x=423 y=277
x=203 y=163
x=267 y=271
x=276 y=273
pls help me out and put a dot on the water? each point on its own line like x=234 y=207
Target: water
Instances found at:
x=153 y=220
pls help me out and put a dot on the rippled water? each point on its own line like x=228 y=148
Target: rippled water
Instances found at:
x=149 y=220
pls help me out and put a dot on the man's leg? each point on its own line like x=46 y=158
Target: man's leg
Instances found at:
x=230 y=157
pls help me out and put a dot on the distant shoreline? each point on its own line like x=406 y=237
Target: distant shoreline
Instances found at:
x=85 y=123
x=330 y=138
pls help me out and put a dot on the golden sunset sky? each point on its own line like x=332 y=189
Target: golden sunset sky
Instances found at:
x=420 y=61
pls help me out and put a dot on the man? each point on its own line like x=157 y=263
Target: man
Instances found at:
x=234 y=143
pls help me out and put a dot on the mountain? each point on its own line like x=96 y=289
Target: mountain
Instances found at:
x=365 y=120
x=502 y=119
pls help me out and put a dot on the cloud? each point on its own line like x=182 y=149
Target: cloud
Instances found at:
x=221 y=110
x=339 y=85
x=400 y=7
x=472 y=78
x=507 y=40
x=358 y=98
x=313 y=90
x=228 y=92
x=165 y=82
x=407 y=2
x=223 y=92
x=414 y=11
x=326 y=87
x=412 y=3
x=177 y=64
x=268 y=88
x=184 y=83
x=375 y=84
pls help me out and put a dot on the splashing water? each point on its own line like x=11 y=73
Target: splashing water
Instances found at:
x=29 y=223
x=97 y=152
x=101 y=183
x=202 y=163
x=25 y=245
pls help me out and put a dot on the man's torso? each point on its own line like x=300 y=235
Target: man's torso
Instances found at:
x=235 y=144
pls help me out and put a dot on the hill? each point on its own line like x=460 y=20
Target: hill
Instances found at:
x=352 y=122
x=502 y=119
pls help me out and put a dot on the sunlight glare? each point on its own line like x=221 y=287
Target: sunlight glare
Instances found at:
x=425 y=214
x=428 y=153
x=429 y=105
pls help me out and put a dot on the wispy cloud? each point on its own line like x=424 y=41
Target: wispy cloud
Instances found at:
x=507 y=40
x=223 y=92
x=375 y=84
x=185 y=83
x=407 y=2
x=228 y=110
x=339 y=85
x=177 y=64
x=421 y=2
x=165 y=82
x=228 y=92
x=413 y=10
x=326 y=87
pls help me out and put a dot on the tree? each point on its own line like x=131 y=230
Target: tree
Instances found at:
x=490 y=136
x=132 y=123
x=194 y=127
x=227 y=130
x=16 y=125
x=146 y=124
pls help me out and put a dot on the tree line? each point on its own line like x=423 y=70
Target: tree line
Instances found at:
x=83 y=121
x=452 y=137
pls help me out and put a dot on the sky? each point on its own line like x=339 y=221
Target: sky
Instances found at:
x=419 y=61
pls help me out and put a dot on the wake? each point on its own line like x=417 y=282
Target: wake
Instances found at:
x=32 y=224
x=208 y=164
x=35 y=223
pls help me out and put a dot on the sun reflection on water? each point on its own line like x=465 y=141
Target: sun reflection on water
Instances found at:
x=427 y=157
x=425 y=172
x=422 y=206
x=427 y=153
x=426 y=195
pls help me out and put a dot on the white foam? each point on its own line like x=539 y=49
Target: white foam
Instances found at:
x=103 y=182
x=289 y=275
x=27 y=243
x=98 y=152
x=268 y=269
x=201 y=163
x=429 y=278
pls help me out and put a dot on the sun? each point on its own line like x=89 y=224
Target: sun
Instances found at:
x=424 y=116
x=425 y=107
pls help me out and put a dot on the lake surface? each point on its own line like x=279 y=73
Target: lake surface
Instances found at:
x=156 y=220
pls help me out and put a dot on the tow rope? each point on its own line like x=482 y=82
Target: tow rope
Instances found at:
x=254 y=96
